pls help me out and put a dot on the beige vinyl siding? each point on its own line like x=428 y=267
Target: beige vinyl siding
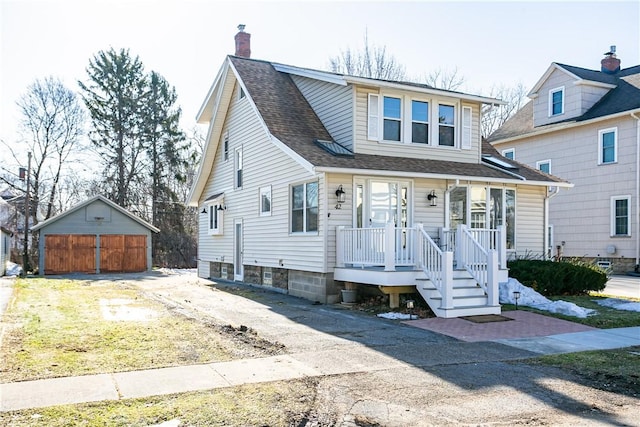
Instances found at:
x=573 y=99
x=581 y=215
x=333 y=105
x=266 y=239
x=589 y=95
x=530 y=220
x=399 y=149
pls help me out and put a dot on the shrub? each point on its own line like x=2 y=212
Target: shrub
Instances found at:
x=570 y=277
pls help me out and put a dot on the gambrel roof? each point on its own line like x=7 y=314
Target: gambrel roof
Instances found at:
x=292 y=122
x=623 y=98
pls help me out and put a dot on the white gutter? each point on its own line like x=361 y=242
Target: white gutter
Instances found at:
x=546 y=218
x=637 y=187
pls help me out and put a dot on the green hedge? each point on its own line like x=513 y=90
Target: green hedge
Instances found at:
x=552 y=278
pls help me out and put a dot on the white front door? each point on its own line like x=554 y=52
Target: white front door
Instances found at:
x=238 y=270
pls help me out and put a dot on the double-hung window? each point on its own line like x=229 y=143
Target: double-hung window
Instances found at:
x=304 y=207
x=238 y=168
x=556 y=101
x=392 y=125
x=446 y=125
x=608 y=146
x=420 y=122
x=620 y=216
x=215 y=216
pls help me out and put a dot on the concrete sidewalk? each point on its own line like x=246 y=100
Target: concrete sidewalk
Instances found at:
x=181 y=379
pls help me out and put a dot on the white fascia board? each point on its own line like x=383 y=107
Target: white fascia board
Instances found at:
x=313 y=74
x=485 y=179
x=200 y=181
x=295 y=156
x=594 y=83
x=206 y=106
x=410 y=88
x=534 y=91
x=564 y=126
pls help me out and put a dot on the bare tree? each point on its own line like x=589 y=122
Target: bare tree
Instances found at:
x=444 y=78
x=371 y=61
x=495 y=116
x=51 y=126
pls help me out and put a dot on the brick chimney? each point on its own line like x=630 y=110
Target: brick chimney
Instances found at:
x=243 y=43
x=610 y=64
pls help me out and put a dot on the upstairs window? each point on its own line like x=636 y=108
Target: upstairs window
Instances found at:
x=608 y=146
x=304 y=208
x=239 y=166
x=226 y=146
x=392 y=125
x=620 y=216
x=556 y=101
x=509 y=153
x=446 y=125
x=420 y=122
x=544 y=166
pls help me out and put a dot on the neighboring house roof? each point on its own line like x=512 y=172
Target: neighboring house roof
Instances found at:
x=88 y=202
x=623 y=98
x=291 y=120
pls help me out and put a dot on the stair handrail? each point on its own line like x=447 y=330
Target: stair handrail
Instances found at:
x=437 y=265
x=482 y=264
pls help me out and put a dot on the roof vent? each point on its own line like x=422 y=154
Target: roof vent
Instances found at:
x=610 y=64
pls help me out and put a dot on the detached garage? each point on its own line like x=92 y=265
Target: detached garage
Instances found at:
x=96 y=236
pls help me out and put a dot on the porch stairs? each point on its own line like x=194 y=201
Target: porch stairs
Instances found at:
x=468 y=298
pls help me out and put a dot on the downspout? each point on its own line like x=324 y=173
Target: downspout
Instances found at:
x=546 y=218
x=637 y=188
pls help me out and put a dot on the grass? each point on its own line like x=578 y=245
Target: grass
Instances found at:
x=605 y=318
x=616 y=370
x=57 y=327
x=271 y=404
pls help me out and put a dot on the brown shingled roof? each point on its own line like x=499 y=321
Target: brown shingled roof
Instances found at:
x=291 y=119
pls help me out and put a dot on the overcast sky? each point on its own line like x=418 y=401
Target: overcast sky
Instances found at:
x=490 y=43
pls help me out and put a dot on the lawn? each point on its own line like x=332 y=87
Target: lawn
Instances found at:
x=62 y=327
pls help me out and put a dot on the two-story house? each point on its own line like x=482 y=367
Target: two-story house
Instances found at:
x=310 y=180
x=584 y=126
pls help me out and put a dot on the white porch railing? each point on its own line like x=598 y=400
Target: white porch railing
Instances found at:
x=480 y=262
x=489 y=239
x=437 y=265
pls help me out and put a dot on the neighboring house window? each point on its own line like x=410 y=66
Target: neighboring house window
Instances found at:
x=420 y=122
x=620 y=216
x=446 y=126
x=304 y=207
x=509 y=153
x=238 y=175
x=392 y=113
x=608 y=143
x=544 y=166
x=226 y=146
x=215 y=213
x=265 y=201
x=556 y=101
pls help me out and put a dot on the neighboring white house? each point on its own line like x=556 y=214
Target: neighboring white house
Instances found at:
x=310 y=180
x=5 y=249
x=584 y=126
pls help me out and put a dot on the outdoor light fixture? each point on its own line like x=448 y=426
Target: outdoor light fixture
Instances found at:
x=340 y=194
x=516 y=295
x=204 y=210
x=410 y=308
x=432 y=198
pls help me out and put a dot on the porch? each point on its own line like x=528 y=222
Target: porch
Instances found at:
x=457 y=272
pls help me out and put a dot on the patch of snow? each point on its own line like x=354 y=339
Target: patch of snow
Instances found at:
x=531 y=298
x=619 y=304
x=120 y=309
x=395 y=316
x=13 y=269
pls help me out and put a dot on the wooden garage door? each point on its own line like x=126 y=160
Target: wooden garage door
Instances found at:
x=123 y=253
x=69 y=253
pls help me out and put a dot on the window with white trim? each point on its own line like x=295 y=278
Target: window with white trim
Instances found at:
x=226 y=146
x=265 y=201
x=419 y=122
x=238 y=168
x=556 y=101
x=607 y=146
x=304 y=207
x=241 y=93
x=544 y=166
x=392 y=118
x=620 y=216
x=215 y=217
x=509 y=153
x=446 y=125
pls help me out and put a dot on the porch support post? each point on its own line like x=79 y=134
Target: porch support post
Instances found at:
x=340 y=246
x=418 y=259
x=492 y=278
x=502 y=246
x=447 y=280
x=460 y=246
x=389 y=247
